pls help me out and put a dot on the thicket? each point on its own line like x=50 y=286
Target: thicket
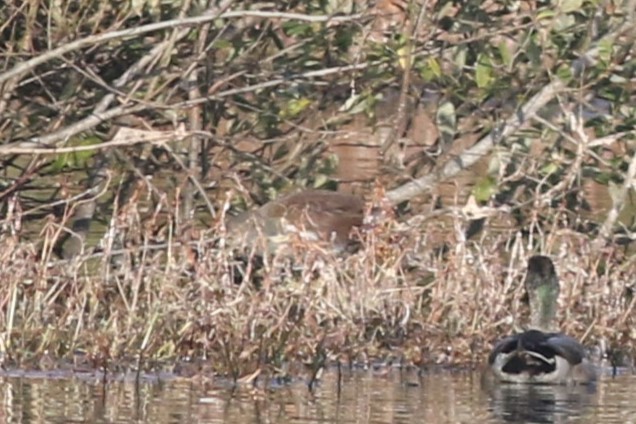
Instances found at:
x=128 y=130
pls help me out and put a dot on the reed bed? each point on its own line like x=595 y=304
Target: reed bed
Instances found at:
x=203 y=307
x=184 y=298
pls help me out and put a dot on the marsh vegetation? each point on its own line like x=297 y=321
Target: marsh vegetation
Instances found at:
x=131 y=132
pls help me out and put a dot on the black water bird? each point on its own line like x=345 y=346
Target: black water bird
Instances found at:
x=540 y=355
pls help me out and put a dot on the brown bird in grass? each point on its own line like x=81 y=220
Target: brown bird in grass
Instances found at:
x=540 y=355
x=321 y=216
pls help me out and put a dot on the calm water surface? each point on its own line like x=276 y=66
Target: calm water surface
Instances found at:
x=365 y=397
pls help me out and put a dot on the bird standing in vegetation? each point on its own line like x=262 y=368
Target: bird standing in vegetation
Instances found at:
x=310 y=215
x=539 y=355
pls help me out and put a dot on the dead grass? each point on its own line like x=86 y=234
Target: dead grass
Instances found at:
x=399 y=299
x=417 y=293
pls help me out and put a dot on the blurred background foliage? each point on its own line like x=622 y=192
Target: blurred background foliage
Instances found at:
x=374 y=91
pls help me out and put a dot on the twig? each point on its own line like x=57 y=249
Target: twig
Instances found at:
x=618 y=201
x=161 y=138
x=99 y=117
x=183 y=22
x=71 y=130
x=100 y=112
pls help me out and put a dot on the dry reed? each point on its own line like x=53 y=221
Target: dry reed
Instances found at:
x=400 y=299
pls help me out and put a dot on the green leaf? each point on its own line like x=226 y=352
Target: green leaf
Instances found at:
x=294 y=107
x=504 y=52
x=77 y=159
x=564 y=72
x=404 y=56
x=339 y=6
x=546 y=14
x=569 y=6
x=223 y=44
x=430 y=70
x=357 y=103
x=460 y=57
x=618 y=79
x=320 y=180
x=433 y=64
x=293 y=28
x=485 y=188
x=605 y=50
x=483 y=71
x=446 y=120
x=549 y=168
x=564 y=23
x=534 y=51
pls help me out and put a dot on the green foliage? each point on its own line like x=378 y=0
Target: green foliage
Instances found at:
x=483 y=71
x=446 y=120
x=295 y=107
x=264 y=99
x=275 y=93
x=76 y=159
x=299 y=29
x=485 y=188
x=505 y=54
x=429 y=69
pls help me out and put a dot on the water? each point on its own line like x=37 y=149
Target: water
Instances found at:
x=365 y=397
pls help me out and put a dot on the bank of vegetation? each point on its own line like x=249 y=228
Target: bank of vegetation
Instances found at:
x=130 y=130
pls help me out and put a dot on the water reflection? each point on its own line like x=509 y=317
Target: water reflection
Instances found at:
x=365 y=397
x=540 y=403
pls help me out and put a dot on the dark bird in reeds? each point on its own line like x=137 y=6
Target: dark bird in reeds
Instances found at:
x=540 y=355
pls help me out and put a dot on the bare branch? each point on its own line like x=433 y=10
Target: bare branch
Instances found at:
x=618 y=202
x=182 y=22
x=98 y=116
x=481 y=148
x=123 y=137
